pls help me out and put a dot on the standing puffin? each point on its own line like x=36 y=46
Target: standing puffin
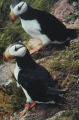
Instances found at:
x=40 y=24
x=35 y=80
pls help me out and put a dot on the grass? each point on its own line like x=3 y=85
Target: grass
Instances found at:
x=42 y=4
x=18 y=99
x=70 y=115
x=67 y=60
x=11 y=33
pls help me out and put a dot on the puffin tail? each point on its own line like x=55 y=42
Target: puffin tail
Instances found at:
x=52 y=91
x=72 y=33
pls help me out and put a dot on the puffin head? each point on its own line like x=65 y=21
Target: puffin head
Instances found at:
x=17 y=49
x=18 y=7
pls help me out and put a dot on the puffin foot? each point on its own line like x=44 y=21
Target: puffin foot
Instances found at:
x=32 y=105
x=27 y=108
x=36 y=49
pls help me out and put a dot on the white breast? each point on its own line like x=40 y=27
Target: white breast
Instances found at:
x=33 y=28
x=29 y=99
x=16 y=71
x=30 y=25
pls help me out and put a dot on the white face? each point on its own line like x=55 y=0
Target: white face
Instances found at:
x=17 y=50
x=19 y=8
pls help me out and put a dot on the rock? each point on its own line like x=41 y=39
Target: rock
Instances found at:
x=34 y=43
x=16 y=116
x=63 y=8
x=57 y=115
x=76 y=22
x=6 y=71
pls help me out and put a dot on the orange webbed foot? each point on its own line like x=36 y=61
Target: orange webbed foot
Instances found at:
x=33 y=51
x=32 y=105
x=37 y=49
x=27 y=108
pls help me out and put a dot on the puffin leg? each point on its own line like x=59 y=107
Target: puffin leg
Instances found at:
x=27 y=108
x=36 y=49
x=32 y=105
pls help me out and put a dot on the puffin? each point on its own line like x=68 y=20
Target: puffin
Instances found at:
x=41 y=25
x=35 y=81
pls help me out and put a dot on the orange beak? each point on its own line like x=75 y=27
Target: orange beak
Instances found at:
x=7 y=56
x=13 y=17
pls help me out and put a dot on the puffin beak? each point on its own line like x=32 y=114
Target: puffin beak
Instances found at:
x=7 y=56
x=13 y=17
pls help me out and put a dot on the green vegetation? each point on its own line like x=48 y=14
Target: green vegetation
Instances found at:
x=42 y=4
x=18 y=98
x=72 y=17
x=70 y=115
x=75 y=4
x=67 y=59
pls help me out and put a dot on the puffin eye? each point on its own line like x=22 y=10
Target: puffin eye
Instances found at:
x=19 y=7
x=16 y=49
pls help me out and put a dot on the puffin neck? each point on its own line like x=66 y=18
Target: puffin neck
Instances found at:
x=27 y=15
x=25 y=62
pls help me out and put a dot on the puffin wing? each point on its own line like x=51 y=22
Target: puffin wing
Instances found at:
x=35 y=81
x=53 y=91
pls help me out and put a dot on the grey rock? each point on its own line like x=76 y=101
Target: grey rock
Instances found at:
x=57 y=115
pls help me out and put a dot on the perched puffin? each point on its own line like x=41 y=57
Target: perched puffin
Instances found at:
x=35 y=80
x=40 y=24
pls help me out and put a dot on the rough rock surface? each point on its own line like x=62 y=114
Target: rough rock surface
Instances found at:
x=62 y=9
x=33 y=43
x=6 y=71
x=57 y=115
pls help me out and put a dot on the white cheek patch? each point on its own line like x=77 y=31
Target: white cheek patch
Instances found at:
x=20 y=52
x=11 y=51
x=23 y=9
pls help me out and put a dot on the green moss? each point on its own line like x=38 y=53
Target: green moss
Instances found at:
x=70 y=115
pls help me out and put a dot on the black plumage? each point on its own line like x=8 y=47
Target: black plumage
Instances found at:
x=50 y=25
x=36 y=79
